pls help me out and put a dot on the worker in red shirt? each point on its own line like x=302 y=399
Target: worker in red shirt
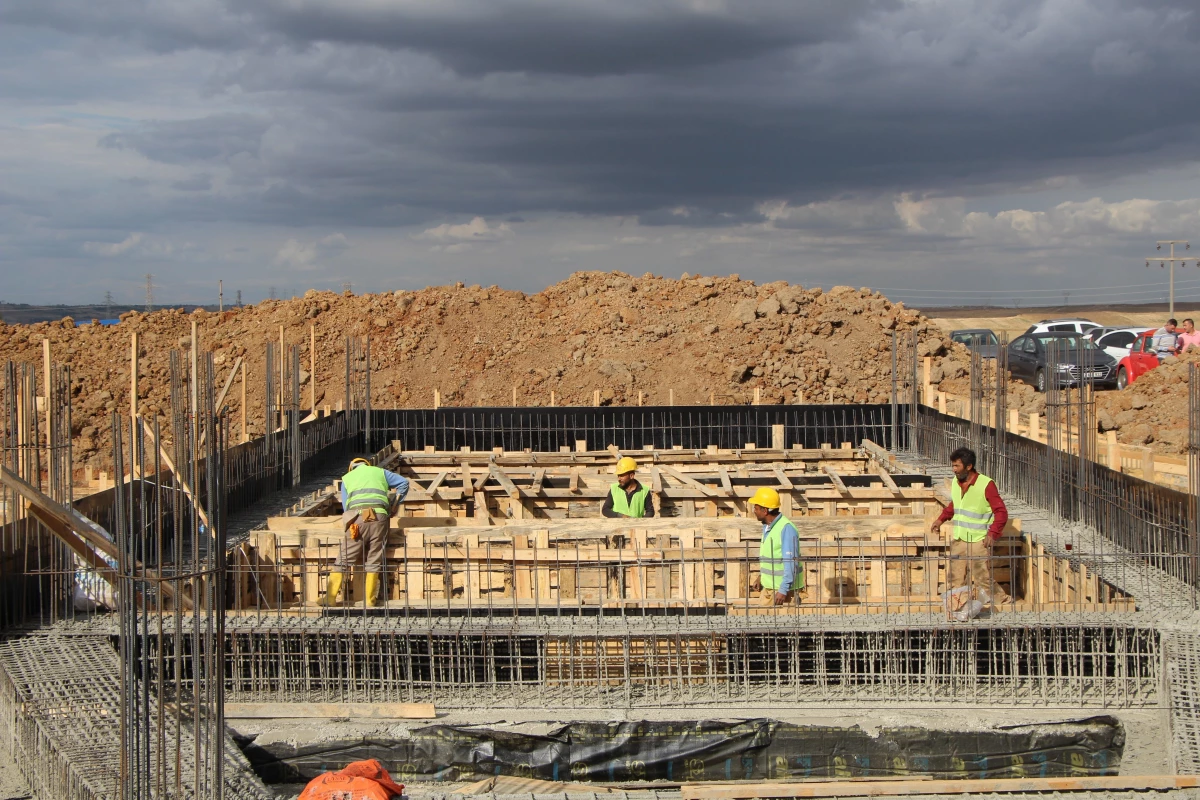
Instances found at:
x=979 y=516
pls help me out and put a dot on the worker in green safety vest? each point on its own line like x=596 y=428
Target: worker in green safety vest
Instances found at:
x=977 y=515
x=367 y=501
x=780 y=572
x=627 y=497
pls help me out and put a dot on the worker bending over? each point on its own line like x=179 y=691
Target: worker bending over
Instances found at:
x=780 y=573
x=366 y=516
x=627 y=497
x=978 y=516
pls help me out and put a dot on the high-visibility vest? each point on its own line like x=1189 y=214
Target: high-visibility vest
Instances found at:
x=628 y=506
x=972 y=514
x=366 y=487
x=771 y=568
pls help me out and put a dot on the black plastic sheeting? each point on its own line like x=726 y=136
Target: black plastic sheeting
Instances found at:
x=754 y=749
x=545 y=430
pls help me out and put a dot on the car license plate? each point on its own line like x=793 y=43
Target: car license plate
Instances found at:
x=1097 y=373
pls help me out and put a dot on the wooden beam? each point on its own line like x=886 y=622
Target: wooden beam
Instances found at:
x=436 y=482
x=350 y=711
x=505 y=482
x=874 y=788
x=837 y=479
x=228 y=383
x=726 y=484
x=187 y=490
x=685 y=480
x=785 y=482
x=539 y=475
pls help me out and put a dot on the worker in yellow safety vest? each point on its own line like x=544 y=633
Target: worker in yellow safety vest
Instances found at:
x=627 y=497
x=780 y=572
x=978 y=516
x=367 y=500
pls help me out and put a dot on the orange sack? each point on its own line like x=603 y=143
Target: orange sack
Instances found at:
x=360 y=780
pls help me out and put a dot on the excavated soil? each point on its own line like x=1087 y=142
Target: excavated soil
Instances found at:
x=694 y=339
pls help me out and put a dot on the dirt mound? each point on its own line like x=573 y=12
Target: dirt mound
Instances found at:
x=698 y=337
x=1153 y=410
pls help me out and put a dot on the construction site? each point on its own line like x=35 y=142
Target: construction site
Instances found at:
x=168 y=628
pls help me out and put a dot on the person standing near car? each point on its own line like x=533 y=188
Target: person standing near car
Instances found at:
x=1190 y=336
x=1166 y=340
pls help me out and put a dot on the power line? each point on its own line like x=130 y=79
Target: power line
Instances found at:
x=1007 y=292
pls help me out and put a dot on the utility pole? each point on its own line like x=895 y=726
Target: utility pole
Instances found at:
x=220 y=295
x=1162 y=262
x=149 y=292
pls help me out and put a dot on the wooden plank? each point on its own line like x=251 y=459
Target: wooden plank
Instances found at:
x=726 y=484
x=837 y=479
x=432 y=490
x=908 y=786
x=351 y=711
x=539 y=476
x=690 y=482
x=785 y=482
x=187 y=490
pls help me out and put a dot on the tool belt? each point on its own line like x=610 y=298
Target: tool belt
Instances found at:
x=366 y=515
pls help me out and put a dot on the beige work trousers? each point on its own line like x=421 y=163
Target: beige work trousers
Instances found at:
x=971 y=565
x=370 y=543
x=768 y=598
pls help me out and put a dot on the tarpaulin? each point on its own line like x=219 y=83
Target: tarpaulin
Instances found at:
x=713 y=750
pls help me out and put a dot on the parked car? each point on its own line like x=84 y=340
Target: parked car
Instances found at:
x=981 y=340
x=1063 y=326
x=1116 y=341
x=1141 y=359
x=1028 y=353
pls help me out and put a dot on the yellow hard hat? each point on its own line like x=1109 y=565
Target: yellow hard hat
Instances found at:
x=765 y=497
x=626 y=464
x=355 y=462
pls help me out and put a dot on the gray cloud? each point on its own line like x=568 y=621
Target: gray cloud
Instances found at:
x=685 y=114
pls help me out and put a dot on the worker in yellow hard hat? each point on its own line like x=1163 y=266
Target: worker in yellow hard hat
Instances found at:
x=368 y=495
x=780 y=572
x=627 y=497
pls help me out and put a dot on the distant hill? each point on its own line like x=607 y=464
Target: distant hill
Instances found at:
x=25 y=314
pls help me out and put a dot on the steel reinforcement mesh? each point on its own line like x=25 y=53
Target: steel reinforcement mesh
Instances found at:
x=619 y=664
x=1182 y=657
x=663 y=427
x=60 y=696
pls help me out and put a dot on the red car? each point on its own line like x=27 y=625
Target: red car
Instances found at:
x=1141 y=359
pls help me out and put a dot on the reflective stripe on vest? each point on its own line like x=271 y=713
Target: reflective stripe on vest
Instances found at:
x=626 y=505
x=972 y=514
x=366 y=487
x=771 y=568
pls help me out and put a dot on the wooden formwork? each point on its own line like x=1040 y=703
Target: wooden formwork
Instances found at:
x=524 y=531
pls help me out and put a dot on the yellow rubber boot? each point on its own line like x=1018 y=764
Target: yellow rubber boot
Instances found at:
x=335 y=586
x=373 y=598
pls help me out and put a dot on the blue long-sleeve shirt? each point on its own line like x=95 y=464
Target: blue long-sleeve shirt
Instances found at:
x=790 y=545
x=394 y=481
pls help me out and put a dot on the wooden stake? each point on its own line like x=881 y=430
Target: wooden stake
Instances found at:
x=279 y=393
x=596 y=398
x=48 y=383
x=552 y=403
x=757 y=395
x=312 y=368
x=712 y=398
x=639 y=397
x=514 y=397
x=437 y=399
x=245 y=430
x=671 y=397
x=1114 y=451
x=133 y=377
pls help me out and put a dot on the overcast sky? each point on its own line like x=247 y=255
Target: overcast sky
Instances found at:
x=933 y=148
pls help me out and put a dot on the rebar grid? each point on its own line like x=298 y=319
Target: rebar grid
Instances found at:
x=1181 y=652
x=64 y=694
x=657 y=663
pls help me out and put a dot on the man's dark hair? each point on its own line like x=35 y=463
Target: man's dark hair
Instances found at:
x=1188 y=319
x=964 y=454
x=1172 y=321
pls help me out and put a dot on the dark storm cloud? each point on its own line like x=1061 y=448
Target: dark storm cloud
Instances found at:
x=683 y=113
x=581 y=38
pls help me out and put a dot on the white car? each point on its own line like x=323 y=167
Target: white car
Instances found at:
x=1063 y=326
x=1116 y=341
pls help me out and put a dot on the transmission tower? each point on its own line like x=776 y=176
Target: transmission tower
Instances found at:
x=149 y=292
x=108 y=301
x=347 y=287
x=272 y=293
x=239 y=298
